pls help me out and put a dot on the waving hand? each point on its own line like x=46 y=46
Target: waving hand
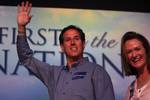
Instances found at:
x=23 y=16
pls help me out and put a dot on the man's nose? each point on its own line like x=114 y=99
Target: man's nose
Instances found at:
x=72 y=41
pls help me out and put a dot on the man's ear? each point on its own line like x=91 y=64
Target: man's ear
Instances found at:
x=62 y=48
x=84 y=44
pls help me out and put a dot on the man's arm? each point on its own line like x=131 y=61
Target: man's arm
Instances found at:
x=42 y=70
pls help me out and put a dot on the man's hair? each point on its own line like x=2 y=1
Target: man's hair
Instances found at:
x=128 y=68
x=82 y=34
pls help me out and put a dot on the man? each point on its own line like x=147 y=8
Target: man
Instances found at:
x=79 y=79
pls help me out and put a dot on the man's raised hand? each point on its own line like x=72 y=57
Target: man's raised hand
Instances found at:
x=23 y=15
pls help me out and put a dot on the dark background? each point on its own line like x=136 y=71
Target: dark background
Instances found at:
x=117 y=5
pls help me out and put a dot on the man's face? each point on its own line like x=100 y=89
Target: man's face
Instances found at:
x=135 y=53
x=72 y=44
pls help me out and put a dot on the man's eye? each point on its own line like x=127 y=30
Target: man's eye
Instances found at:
x=77 y=38
x=67 y=39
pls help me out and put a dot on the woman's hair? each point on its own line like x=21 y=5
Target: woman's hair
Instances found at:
x=128 y=69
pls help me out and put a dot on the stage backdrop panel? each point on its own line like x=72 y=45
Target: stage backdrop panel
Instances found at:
x=103 y=29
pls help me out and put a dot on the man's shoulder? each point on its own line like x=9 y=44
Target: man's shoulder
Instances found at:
x=93 y=66
x=90 y=63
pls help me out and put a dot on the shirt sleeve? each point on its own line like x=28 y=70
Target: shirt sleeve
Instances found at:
x=102 y=85
x=40 y=69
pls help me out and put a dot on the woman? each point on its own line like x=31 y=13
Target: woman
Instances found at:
x=135 y=57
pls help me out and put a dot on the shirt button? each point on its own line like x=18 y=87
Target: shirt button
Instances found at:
x=64 y=93
x=139 y=90
x=67 y=82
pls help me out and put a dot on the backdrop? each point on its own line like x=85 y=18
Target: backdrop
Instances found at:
x=103 y=29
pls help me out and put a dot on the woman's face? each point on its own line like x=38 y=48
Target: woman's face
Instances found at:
x=135 y=53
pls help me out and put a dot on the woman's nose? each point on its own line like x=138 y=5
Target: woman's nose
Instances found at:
x=134 y=53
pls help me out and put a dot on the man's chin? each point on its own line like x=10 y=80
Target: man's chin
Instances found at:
x=75 y=57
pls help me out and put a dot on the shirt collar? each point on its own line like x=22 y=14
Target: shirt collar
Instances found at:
x=75 y=65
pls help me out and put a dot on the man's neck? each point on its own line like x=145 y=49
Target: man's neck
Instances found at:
x=70 y=62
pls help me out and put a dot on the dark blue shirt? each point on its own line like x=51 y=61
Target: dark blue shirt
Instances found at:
x=84 y=81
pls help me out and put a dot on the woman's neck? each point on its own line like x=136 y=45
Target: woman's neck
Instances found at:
x=143 y=78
